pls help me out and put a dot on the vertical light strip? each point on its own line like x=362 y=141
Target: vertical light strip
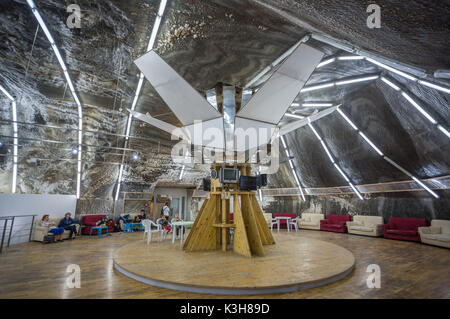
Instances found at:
x=71 y=87
x=151 y=43
x=324 y=146
x=347 y=119
x=15 y=138
x=292 y=168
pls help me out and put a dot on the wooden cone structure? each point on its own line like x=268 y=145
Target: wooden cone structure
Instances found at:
x=211 y=229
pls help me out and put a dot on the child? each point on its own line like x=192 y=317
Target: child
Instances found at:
x=177 y=218
x=164 y=223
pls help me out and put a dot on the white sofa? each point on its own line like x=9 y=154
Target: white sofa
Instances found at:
x=366 y=225
x=438 y=234
x=39 y=231
x=310 y=221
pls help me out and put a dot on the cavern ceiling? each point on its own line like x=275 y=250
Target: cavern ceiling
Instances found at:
x=209 y=42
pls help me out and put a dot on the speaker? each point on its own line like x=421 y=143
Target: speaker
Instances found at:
x=248 y=183
x=262 y=180
x=206 y=184
x=213 y=174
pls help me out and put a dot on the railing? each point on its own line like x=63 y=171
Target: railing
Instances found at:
x=6 y=224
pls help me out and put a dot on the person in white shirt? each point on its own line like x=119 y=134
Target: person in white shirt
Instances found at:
x=166 y=210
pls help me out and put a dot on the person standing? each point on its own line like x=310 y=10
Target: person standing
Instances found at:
x=166 y=210
x=68 y=223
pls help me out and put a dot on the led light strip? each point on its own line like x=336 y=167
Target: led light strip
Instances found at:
x=324 y=146
x=292 y=169
x=151 y=43
x=389 y=68
x=15 y=138
x=352 y=80
x=71 y=87
x=397 y=87
x=349 y=121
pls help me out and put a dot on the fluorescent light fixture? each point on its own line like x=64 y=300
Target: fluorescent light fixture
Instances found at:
x=351 y=57
x=425 y=187
x=59 y=57
x=317 y=104
x=154 y=33
x=315 y=132
x=317 y=87
x=295 y=104
x=347 y=119
x=162 y=6
x=283 y=141
x=117 y=192
x=182 y=172
x=443 y=130
x=290 y=164
x=321 y=64
x=356 y=191
x=301 y=193
x=371 y=144
x=384 y=66
x=419 y=108
x=43 y=26
x=327 y=151
x=6 y=93
x=340 y=171
x=392 y=85
x=287 y=152
x=367 y=78
x=435 y=86
x=294 y=115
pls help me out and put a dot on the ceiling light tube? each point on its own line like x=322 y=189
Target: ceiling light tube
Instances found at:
x=435 y=86
x=162 y=6
x=371 y=144
x=182 y=172
x=154 y=33
x=117 y=192
x=368 y=78
x=419 y=108
x=384 y=66
x=294 y=115
x=356 y=191
x=351 y=57
x=290 y=164
x=6 y=93
x=342 y=173
x=283 y=141
x=317 y=104
x=347 y=119
x=321 y=64
x=59 y=57
x=315 y=132
x=43 y=26
x=425 y=187
x=327 y=151
x=392 y=85
x=316 y=87
x=295 y=104
x=397 y=166
x=443 y=130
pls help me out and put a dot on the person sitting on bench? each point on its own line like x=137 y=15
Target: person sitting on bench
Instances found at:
x=68 y=223
x=56 y=231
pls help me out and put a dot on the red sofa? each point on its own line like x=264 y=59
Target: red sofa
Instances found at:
x=283 y=224
x=335 y=223
x=90 y=221
x=403 y=228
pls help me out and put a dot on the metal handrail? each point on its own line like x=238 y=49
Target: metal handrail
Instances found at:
x=11 y=226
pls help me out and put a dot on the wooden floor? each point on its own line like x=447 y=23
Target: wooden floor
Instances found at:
x=289 y=265
x=34 y=270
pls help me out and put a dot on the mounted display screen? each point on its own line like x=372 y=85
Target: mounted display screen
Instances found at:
x=229 y=175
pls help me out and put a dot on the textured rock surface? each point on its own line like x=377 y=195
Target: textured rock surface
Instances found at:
x=207 y=42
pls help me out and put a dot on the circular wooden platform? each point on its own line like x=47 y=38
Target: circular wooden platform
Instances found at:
x=291 y=264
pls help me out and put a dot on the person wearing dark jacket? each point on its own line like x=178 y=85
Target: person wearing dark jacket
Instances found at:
x=68 y=223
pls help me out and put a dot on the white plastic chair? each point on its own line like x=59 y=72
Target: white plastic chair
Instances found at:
x=275 y=222
x=293 y=222
x=163 y=232
x=147 y=223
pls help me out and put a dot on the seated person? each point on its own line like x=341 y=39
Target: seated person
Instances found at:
x=56 y=231
x=104 y=222
x=164 y=223
x=125 y=219
x=68 y=223
x=177 y=218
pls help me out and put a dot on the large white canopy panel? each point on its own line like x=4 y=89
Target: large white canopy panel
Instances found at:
x=276 y=95
x=208 y=133
x=187 y=104
x=245 y=131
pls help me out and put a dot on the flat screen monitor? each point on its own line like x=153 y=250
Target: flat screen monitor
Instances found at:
x=229 y=175
x=248 y=183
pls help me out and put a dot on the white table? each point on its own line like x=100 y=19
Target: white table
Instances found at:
x=288 y=220
x=180 y=223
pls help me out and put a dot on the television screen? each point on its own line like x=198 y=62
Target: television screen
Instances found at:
x=229 y=175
